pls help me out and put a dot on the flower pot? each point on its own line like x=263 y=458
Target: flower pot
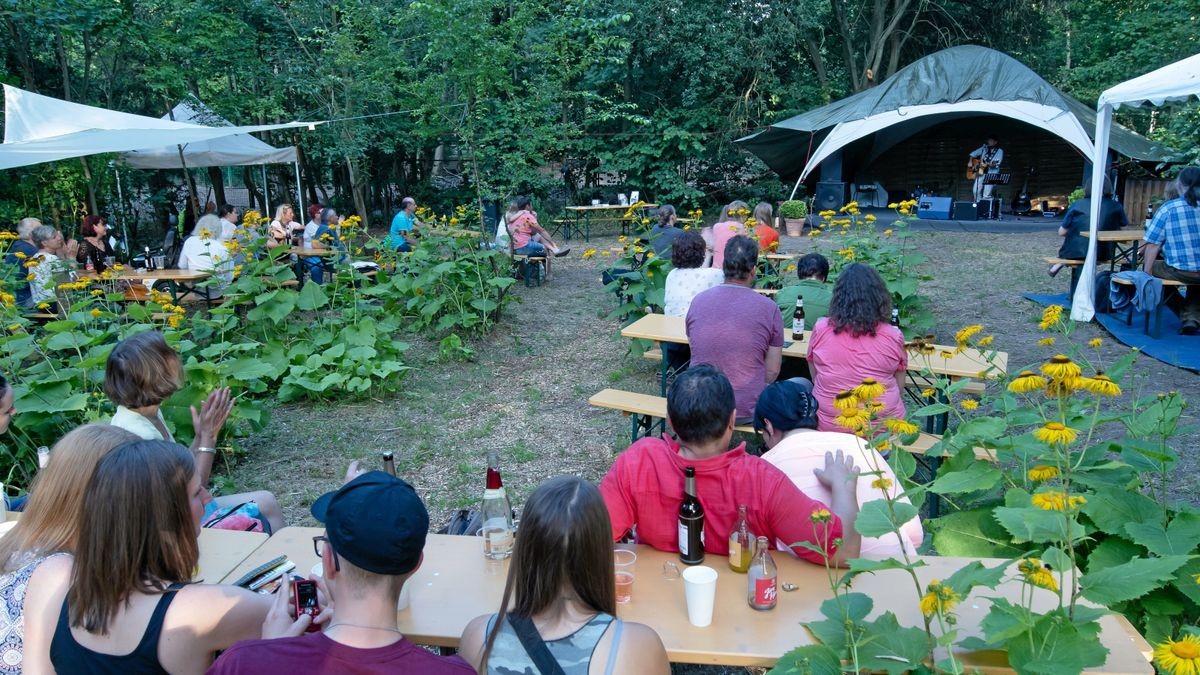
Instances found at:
x=794 y=226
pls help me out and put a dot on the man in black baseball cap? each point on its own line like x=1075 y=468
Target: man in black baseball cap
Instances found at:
x=375 y=528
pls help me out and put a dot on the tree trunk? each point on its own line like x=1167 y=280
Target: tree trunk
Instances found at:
x=255 y=195
x=356 y=191
x=818 y=62
x=21 y=50
x=218 y=182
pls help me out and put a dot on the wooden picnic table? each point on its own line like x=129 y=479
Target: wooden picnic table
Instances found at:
x=455 y=583
x=176 y=279
x=1126 y=245
x=582 y=215
x=223 y=550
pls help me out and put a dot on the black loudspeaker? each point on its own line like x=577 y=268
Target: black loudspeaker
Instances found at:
x=964 y=211
x=989 y=209
x=831 y=196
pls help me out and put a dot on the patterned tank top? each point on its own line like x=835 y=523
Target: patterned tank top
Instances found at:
x=12 y=615
x=572 y=652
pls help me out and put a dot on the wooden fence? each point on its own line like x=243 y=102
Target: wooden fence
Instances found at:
x=1139 y=193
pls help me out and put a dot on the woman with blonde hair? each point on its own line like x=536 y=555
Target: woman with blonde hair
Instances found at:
x=764 y=219
x=284 y=227
x=731 y=223
x=127 y=604
x=563 y=591
x=36 y=549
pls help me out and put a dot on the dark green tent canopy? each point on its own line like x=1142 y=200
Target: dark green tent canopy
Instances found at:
x=956 y=82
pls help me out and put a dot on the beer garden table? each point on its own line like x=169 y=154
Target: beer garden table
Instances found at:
x=1125 y=243
x=176 y=279
x=582 y=216
x=455 y=583
x=223 y=550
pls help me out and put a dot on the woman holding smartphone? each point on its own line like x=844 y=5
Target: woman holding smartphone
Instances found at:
x=126 y=603
x=568 y=606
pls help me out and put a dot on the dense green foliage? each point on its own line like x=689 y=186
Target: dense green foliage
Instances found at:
x=486 y=98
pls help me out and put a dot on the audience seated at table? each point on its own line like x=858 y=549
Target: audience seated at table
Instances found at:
x=143 y=372
x=687 y=279
x=528 y=237
x=126 y=604
x=786 y=416
x=561 y=593
x=1077 y=221
x=644 y=487
x=764 y=219
x=856 y=342
x=321 y=234
x=37 y=549
x=94 y=247
x=205 y=251
x=284 y=227
x=737 y=330
x=731 y=223
x=22 y=249
x=664 y=233
x=375 y=528
x=813 y=271
x=1174 y=234
x=48 y=266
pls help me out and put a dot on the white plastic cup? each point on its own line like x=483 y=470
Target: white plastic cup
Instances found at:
x=700 y=590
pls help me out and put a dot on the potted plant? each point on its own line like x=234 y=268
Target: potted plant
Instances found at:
x=793 y=212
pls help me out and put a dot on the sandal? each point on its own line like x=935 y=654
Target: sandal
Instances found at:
x=562 y=251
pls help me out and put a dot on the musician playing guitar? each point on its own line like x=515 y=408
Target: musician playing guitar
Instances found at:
x=985 y=159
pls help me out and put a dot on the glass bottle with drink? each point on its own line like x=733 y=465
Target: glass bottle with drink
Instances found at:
x=896 y=317
x=762 y=580
x=496 y=513
x=389 y=463
x=691 y=522
x=741 y=543
x=798 y=319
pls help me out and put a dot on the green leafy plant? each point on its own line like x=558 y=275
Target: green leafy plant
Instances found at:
x=793 y=209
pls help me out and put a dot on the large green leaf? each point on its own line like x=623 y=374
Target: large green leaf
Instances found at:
x=1057 y=647
x=1111 y=552
x=1180 y=537
x=808 y=660
x=889 y=647
x=1111 y=510
x=976 y=477
x=974 y=534
x=975 y=574
x=1030 y=524
x=1130 y=580
x=875 y=519
x=312 y=296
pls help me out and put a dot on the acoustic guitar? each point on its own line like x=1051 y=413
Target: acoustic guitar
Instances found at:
x=975 y=168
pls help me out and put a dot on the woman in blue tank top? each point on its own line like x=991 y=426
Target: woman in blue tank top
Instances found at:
x=563 y=596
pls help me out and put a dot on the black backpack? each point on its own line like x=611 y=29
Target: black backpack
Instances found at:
x=1100 y=298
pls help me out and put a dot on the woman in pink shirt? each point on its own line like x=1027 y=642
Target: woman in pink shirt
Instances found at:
x=731 y=224
x=855 y=342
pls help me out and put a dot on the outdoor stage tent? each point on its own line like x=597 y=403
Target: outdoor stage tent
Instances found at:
x=1176 y=82
x=42 y=129
x=237 y=150
x=958 y=82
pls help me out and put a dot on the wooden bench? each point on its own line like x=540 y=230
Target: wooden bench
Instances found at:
x=42 y=316
x=1170 y=287
x=531 y=268
x=1076 y=267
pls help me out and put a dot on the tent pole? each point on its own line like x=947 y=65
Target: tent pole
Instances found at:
x=797 y=187
x=1082 y=305
x=266 y=192
x=299 y=190
x=120 y=206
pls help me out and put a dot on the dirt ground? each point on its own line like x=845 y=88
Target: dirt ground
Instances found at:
x=525 y=392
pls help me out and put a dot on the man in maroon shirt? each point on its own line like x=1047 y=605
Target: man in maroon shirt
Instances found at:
x=738 y=330
x=644 y=487
x=375 y=528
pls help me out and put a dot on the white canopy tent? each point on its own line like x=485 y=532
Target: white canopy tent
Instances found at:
x=236 y=150
x=1176 y=82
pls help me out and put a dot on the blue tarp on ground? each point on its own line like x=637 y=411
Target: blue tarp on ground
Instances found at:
x=1181 y=351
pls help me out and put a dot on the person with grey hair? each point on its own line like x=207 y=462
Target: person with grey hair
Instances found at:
x=205 y=251
x=21 y=250
x=404 y=224
x=46 y=264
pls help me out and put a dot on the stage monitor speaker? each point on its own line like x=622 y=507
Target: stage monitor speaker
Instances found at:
x=989 y=209
x=965 y=211
x=934 y=208
x=831 y=196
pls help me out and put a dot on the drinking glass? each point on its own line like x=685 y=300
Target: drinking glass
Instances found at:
x=623 y=561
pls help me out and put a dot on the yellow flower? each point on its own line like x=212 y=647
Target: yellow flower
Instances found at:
x=900 y=426
x=605 y=254
x=30 y=277
x=118 y=267
x=928 y=392
x=15 y=328
x=868 y=390
x=96 y=312
x=32 y=262
x=870 y=218
x=1055 y=433
x=1042 y=472
x=622 y=239
x=20 y=256
x=964 y=335
x=1051 y=317
x=649 y=273
x=1057 y=500
x=969 y=404
x=821 y=516
x=938 y=599
x=854 y=420
x=882 y=483
x=1060 y=367
x=893 y=205
x=887 y=233
x=97 y=292
x=1100 y=384
x=7 y=298
x=1028 y=381
x=946 y=354
x=589 y=253
x=987 y=340
x=1037 y=574
x=205 y=234
x=174 y=320
x=1095 y=342
x=43 y=305
x=845 y=400
x=1179 y=657
x=1046 y=342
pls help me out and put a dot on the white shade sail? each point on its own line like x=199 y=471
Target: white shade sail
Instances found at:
x=1175 y=82
x=237 y=150
x=43 y=129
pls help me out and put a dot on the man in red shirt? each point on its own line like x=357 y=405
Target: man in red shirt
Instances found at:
x=644 y=487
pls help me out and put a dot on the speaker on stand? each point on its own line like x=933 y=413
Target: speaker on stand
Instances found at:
x=831 y=196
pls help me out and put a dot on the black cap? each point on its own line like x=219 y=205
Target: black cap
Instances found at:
x=788 y=404
x=376 y=521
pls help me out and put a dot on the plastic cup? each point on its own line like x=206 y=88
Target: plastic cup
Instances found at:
x=623 y=562
x=700 y=590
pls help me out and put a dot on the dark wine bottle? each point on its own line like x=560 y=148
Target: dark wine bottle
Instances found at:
x=691 y=522
x=389 y=463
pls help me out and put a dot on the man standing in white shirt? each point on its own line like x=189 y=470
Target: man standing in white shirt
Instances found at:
x=985 y=160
